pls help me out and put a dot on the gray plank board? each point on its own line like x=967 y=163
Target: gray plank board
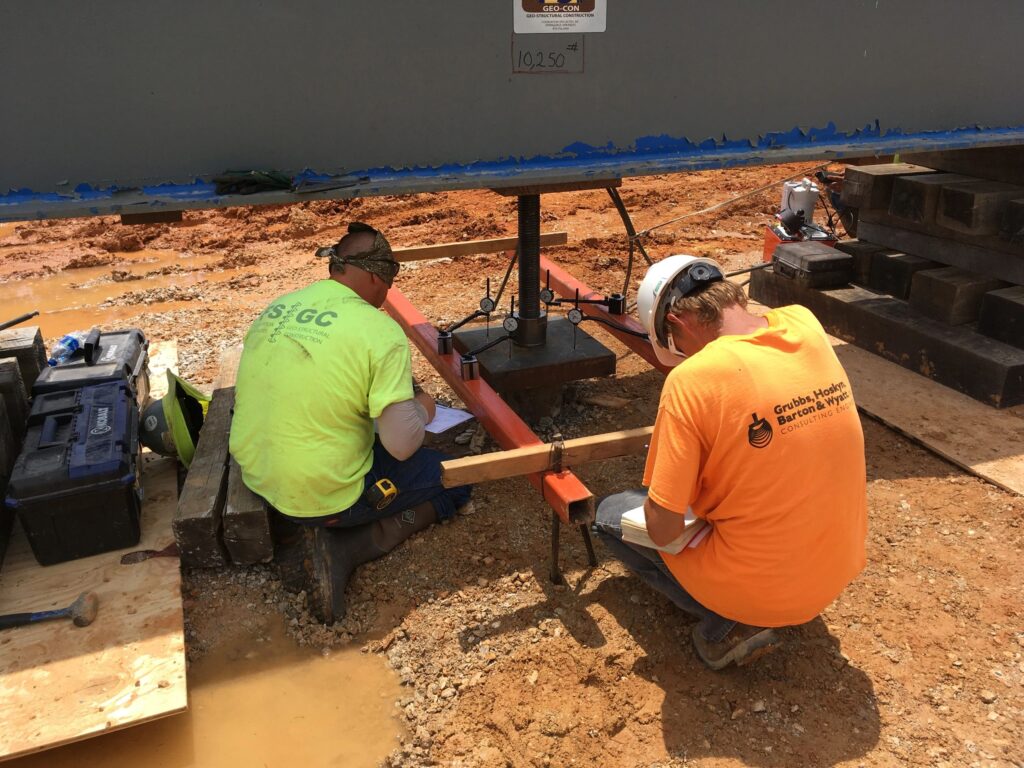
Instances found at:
x=197 y=521
x=246 y=522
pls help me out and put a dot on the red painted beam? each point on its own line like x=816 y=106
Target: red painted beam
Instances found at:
x=562 y=490
x=565 y=285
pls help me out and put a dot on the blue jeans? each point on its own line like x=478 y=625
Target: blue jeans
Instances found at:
x=648 y=565
x=418 y=479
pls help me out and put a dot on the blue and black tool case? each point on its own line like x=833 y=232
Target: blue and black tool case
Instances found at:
x=76 y=486
x=111 y=356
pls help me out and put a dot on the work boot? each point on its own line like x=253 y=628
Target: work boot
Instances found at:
x=741 y=646
x=337 y=552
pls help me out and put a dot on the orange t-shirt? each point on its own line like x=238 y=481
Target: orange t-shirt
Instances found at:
x=760 y=435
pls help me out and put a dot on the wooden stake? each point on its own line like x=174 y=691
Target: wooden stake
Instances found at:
x=537 y=458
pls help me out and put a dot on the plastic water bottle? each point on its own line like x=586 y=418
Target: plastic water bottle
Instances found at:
x=64 y=349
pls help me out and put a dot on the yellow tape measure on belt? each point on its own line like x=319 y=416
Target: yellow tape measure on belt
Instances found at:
x=381 y=493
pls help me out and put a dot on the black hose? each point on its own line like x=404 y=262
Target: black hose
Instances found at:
x=19 y=319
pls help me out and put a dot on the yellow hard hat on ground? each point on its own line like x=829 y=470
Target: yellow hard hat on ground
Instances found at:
x=170 y=426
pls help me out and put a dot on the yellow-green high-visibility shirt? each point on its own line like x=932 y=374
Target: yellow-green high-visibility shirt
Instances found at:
x=318 y=366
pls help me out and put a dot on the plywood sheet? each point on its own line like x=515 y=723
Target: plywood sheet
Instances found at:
x=60 y=683
x=972 y=435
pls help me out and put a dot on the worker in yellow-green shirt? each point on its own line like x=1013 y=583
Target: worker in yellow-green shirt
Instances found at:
x=321 y=367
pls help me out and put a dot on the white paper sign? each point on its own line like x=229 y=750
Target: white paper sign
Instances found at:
x=560 y=15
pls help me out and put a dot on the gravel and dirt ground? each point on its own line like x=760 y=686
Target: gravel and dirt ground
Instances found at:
x=919 y=662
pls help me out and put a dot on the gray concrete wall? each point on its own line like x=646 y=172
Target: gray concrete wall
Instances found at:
x=118 y=93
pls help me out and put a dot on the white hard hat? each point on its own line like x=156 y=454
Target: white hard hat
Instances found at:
x=653 y=300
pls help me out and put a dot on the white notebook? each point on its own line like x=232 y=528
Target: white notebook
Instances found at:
x=634 y=530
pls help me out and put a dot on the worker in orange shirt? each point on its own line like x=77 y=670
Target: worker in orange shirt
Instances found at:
x=758 y=433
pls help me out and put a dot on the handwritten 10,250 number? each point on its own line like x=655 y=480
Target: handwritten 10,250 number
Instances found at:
x=531 y=60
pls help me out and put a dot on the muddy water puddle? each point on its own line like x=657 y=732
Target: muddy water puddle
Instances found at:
x=77 y=299
x=268 y=704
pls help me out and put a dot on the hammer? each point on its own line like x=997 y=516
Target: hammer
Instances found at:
x=81 y=612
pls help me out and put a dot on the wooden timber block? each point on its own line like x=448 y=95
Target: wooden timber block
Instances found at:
x=950 y=295
x=12 y=394
x=1011 y=226
x=8 y=453
x=863 y=254
x=996 y=163
x=246 y=522
x=25 y=344
x=973 y=254
x=568 y=186
x=197 y=521
x=892 y=272
x=151 y=217
x=916 y=198
x=956 y=356
x=975 y=207
x=1002 y=315
x=870 y=186
x=8 y=446
x=6 y=522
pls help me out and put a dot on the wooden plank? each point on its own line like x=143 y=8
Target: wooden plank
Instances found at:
x=916 y=198
x=950 y=295
x=956 y=356
x=163 y=357
x=538 y=458
x=246 y=522
x=25 y=344
x=975 y=207
x=472 y=247
x=227 y=371
x=61 y=683
x=198 y=520
x=870 y=186
x=986 y=442
x=996 y=163
x=1002 y=315
x=974 y=258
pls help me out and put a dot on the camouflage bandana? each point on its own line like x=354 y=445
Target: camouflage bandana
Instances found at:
x=379 y=259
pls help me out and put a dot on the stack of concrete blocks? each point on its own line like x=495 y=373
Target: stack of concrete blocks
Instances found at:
x=938 y=271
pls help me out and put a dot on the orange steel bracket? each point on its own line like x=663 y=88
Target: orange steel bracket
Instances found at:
x=563 y=491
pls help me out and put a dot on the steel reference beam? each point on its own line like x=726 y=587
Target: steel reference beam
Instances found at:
x=562 y=490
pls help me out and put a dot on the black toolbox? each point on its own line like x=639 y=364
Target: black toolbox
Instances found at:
x=76 y=486
x=116 y=356
x=813 y=265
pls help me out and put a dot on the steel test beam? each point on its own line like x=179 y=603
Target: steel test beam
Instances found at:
x=563 y=491
x=566 y=285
